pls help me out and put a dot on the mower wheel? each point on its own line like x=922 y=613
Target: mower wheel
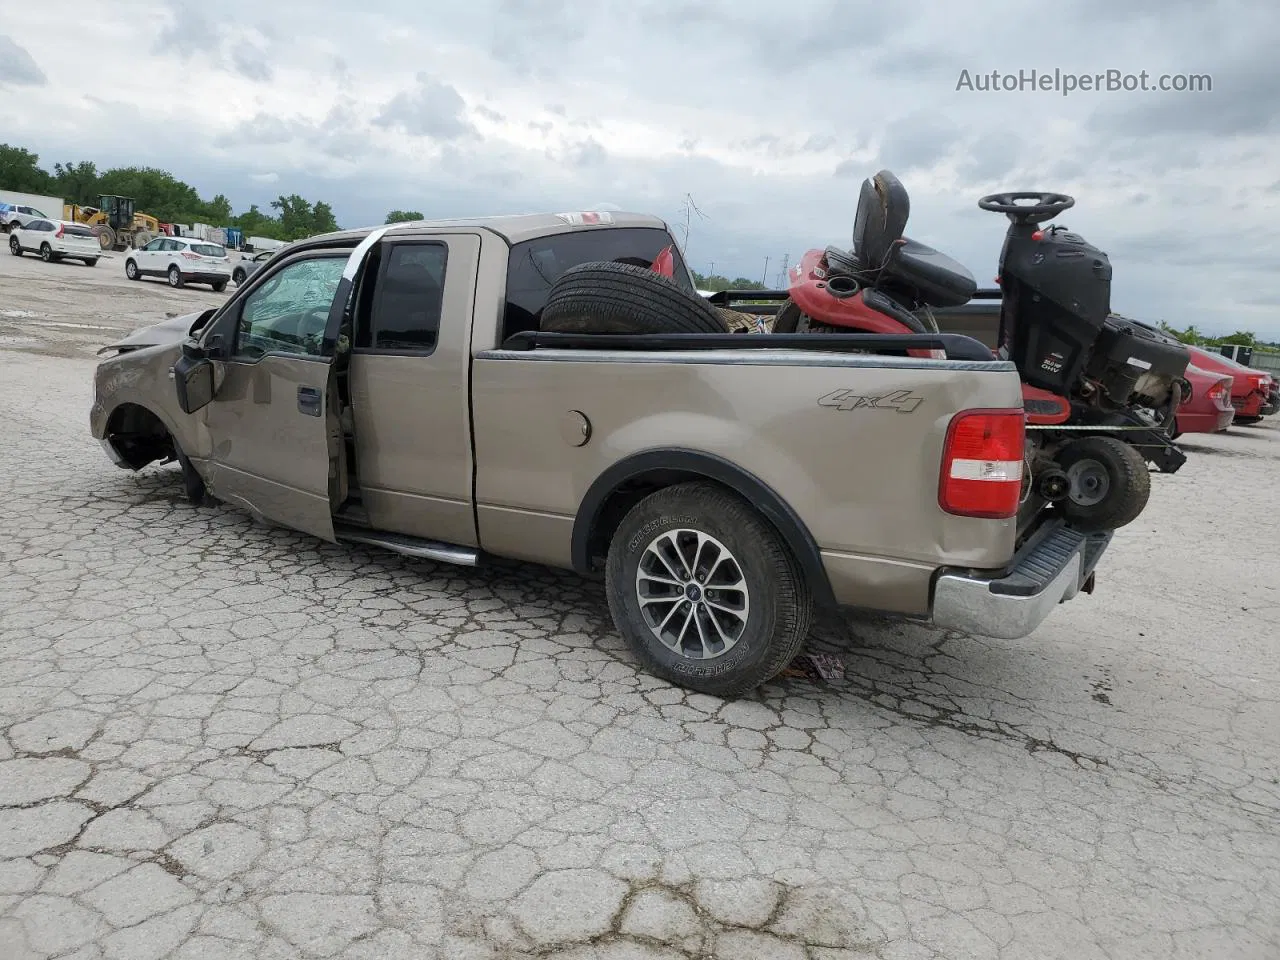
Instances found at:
x=1109 y=483
x=787 y=319
x=622 y=298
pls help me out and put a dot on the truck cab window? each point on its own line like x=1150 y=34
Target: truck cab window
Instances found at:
x=534 y=265
x=404 y=315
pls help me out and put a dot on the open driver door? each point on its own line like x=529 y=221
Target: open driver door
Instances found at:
x=262 y=377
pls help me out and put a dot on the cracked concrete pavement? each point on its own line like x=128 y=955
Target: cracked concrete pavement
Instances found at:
x=220 y=740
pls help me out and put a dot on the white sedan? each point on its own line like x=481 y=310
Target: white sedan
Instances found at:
x=56 y=240
x=181 y=260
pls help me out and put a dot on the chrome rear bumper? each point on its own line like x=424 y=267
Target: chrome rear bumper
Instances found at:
x=1056 y=565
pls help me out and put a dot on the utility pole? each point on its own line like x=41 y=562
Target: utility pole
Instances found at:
x=690 y=208
x=782 y=274
x=713 y=268
x=764 y=277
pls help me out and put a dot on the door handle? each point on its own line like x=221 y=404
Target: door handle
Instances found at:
x=309 y=401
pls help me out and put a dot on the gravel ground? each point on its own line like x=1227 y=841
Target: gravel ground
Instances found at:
x=220 y=740
x=68 y=309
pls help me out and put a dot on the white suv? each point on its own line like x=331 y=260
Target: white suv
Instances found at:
x=56 y=240
x=17 y=215
x=181 y=260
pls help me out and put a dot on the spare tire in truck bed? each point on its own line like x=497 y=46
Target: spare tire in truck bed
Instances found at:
x=607 y=297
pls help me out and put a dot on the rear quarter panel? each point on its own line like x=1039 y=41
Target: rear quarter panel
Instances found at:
x=864 y=481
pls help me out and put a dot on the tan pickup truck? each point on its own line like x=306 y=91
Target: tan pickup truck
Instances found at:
x=398 y=387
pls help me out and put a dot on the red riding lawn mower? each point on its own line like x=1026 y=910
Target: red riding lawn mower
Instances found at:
x=1100 y=392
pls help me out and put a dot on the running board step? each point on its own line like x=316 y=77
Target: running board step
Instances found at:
x=410 y=546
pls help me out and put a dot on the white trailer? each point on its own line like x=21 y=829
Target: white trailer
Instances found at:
x=258 y=244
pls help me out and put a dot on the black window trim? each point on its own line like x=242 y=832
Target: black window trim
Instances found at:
x=384 y=260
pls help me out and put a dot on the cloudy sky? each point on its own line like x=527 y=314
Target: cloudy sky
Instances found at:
x=767 y=113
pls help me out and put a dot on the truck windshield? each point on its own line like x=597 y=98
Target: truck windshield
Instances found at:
x=535 y=265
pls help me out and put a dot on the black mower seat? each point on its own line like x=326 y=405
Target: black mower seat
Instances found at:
x=939 y=280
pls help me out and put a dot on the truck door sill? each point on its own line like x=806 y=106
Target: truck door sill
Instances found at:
x=410 y=546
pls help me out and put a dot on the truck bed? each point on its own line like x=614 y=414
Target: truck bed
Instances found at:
x=790 y=413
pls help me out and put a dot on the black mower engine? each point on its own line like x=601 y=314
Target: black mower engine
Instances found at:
x=1056 y=323
x=1057 y=327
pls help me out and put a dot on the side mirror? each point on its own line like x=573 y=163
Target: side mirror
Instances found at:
x=193 y=378
x=200 y=322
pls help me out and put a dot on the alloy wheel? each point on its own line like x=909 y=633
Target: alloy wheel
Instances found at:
x=693 y=594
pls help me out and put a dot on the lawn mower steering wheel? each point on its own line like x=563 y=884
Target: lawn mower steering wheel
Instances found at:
x=1047 y=205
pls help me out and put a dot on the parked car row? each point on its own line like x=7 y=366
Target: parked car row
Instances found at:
x=1251 y=388
x=179 y=260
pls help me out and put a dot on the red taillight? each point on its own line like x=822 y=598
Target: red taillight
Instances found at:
x=58 y=235
x=1220 y=389
x=982 y=464
x=190 y=256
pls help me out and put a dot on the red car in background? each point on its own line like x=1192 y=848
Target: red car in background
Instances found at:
x=1208 y=409
x=1250 y=390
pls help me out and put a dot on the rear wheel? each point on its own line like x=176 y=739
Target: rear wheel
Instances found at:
x=131 y=270
x=46 y=253
x=790 y=319
x=705 y=591
x=90 y=261
x=14 y=246
x=219 y=286
x=175 y=276
x=238 y=276
x=1108 y=483
x=622 y=298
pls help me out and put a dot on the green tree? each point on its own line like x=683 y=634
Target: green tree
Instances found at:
x=217 y=211
x=298 y=218
x=1243 y=337
x=162 y=195
x=323 y=220
x=403 y=216
x=1191 y=335
x=20 y=171
x=254 y=223
x=77 y=182
x=716 y=283
x=154 y=191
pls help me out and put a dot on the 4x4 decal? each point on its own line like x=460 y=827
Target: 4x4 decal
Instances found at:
x=900 y=400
